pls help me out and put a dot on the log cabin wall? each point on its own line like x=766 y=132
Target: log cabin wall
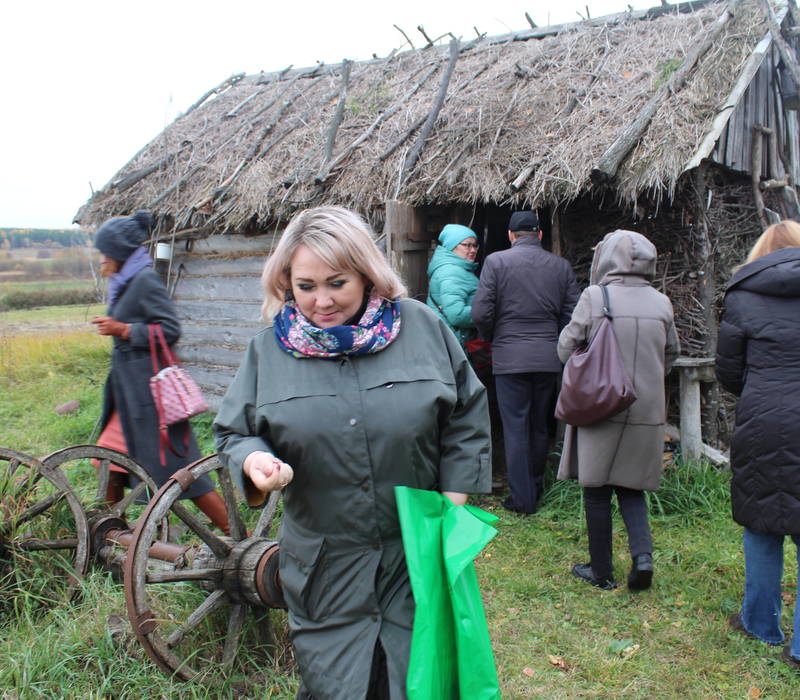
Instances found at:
x=217 y=292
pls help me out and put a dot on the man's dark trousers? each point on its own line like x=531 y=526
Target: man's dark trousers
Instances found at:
x=525 y=401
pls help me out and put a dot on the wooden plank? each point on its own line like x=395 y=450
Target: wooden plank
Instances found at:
x=403 y=245
x=729 y=107
x=213 y=381
x=231 y=336
x=204 y=266
x=555 y=232
x=231 y=243
x=211 y=355
x=216 y=289
x=403 y=226
x=209 y=310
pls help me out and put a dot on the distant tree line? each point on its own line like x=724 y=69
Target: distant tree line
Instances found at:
x=43 y=238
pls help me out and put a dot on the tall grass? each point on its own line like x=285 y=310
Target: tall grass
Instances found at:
x=692 y=490
x=41 y=371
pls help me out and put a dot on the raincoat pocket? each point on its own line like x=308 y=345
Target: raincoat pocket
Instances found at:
x=301 y=564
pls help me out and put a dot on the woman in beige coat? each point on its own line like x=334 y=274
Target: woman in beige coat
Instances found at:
x=622 y=454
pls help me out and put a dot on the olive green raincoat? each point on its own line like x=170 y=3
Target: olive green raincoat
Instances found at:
x=353 y=428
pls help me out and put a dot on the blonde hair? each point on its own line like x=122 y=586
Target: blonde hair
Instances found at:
x=342 y=239
x=785 y=234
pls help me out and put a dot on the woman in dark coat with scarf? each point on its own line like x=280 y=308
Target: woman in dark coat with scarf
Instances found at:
x=136 y=299
x=350 y=391
x=758 y=359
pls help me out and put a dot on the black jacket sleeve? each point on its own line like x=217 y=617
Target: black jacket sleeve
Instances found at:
x=484 y=301
x=731 y=348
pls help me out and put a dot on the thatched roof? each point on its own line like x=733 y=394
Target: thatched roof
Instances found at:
x=524 y=120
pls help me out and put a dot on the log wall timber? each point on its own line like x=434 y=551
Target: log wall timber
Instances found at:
x=218 y=297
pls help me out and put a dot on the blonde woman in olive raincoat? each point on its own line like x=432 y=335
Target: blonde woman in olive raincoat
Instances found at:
x=351 y=391
x=624 y=453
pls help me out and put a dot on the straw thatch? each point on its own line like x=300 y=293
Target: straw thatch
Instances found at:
x=523 y=121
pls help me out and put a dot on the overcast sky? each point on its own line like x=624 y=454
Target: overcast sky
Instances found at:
x=85 y=83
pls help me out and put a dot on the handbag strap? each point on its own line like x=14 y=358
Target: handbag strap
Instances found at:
x=606 y=302
x=160 y=353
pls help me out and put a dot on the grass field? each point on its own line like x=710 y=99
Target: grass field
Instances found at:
x=8 y=284
x=553 y=636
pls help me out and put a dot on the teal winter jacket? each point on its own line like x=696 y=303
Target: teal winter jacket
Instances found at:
x=452 y=284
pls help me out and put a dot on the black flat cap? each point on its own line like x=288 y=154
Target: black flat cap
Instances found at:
x=523 y=221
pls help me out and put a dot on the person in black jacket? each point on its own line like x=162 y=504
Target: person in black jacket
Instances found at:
x=136 y=299
x=525 y=297
x=758 y=359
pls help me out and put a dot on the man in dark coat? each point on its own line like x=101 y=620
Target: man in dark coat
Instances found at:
x=524 y=298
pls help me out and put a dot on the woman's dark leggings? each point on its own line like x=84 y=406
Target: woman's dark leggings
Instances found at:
x=633 y=506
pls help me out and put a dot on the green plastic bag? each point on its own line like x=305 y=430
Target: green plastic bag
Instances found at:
x=451 y=654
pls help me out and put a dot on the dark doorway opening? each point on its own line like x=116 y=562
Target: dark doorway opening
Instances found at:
x=490 y=222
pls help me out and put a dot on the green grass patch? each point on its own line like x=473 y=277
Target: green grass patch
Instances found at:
x=6 y=287
x=48 y=315
x=49 y=297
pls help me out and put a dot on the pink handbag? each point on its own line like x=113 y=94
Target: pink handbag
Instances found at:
x=176 y=395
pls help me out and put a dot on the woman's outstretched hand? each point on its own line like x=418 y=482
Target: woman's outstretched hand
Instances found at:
x=108 y=326
x=267 y=472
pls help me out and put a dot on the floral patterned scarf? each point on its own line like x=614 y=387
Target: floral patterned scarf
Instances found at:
x=377 y=327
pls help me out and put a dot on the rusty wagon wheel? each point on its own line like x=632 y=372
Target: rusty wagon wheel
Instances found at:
x=44 y=535
x=89 y=484
x=203 y=608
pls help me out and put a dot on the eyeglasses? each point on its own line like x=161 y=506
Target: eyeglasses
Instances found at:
x=472 y=246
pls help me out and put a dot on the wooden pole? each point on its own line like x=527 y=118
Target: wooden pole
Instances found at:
x=706 y=294
x=756 y=145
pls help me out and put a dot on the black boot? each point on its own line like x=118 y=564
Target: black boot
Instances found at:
x=641 y=575
x=584 y=573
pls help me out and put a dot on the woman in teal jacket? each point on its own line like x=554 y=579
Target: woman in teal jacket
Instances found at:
x=452 y=280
